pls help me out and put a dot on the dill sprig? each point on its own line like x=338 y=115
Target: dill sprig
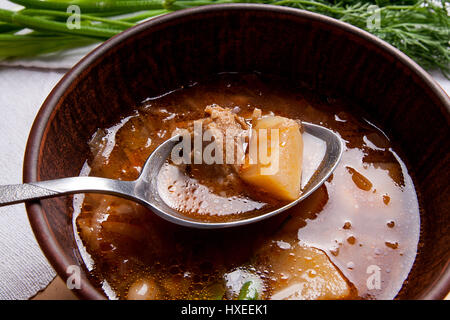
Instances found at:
x=419 y=28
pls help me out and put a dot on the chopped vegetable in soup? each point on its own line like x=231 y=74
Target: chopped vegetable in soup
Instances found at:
x=281 y=175
x=355 y=237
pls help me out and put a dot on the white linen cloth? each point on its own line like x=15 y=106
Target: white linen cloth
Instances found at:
x=24 y=85
x=23 y=268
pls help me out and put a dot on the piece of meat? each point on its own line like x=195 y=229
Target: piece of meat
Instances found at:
x=225 y=127
x=231 y=130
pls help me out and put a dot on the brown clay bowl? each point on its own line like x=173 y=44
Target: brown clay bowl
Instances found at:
x=169 y=51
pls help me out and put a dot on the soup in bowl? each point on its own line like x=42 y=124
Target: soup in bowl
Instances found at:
x=376 y=229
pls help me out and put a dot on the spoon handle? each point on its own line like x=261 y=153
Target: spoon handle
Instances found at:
x=16 y=193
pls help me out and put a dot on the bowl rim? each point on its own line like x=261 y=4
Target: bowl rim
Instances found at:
x=38 y=221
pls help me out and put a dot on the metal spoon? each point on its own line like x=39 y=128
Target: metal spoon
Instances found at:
x=144 y=190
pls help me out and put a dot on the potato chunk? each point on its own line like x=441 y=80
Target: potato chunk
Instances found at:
x=278 y=174
x=305 y=273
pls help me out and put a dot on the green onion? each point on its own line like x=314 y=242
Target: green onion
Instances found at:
x=94 y=5
x=39 y=23
x=37 y=44
x=248 y=291
x=145 y=15
x=117 y=23
x=7 y=27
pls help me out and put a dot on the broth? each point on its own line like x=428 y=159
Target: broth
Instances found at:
x=355 y=237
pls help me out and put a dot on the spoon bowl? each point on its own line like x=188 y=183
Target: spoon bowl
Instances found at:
x=147 y=187
x=144 y=190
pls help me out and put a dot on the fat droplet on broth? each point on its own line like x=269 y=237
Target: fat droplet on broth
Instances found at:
x=351 y=240
x=360 y=181
x=386 y=199
x=392 y=244
x=347 y=225
x=390 y=224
